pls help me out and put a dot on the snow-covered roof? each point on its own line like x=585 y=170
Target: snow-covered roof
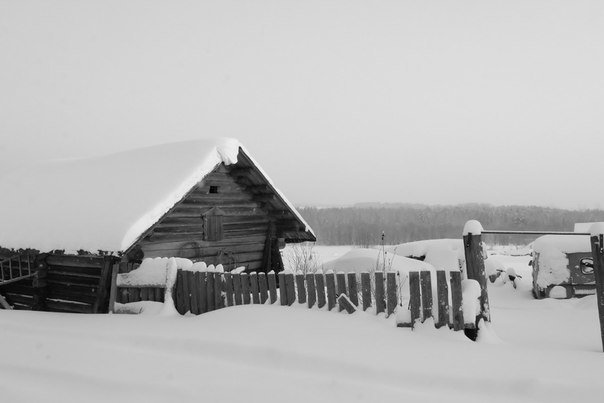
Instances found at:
x=585 y=226
x=562 y=243
x=105 y=203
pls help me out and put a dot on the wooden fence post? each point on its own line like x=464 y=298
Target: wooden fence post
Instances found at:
x=353 y=292
x=113 y=287
x=312 y=290
x=472 y=241
x=330 y=281
x=442 y=291
x=320 y=282
x=380 y=303
x=366 y=290
x=456 y=301
x=300 y=285
x=597 y=250
x=391 y=288
x=425 y=283
x=414 y=297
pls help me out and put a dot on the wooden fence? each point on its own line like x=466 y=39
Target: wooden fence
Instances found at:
x=417 y=297
x=59 y=283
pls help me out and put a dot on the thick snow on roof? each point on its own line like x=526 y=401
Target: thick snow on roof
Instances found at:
x=562 y=243
x=584 y=226
x=553 y=262
x=104 y=202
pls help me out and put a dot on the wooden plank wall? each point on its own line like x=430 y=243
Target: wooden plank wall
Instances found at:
x=245 y=225
x=379 y=293
x=77 y=284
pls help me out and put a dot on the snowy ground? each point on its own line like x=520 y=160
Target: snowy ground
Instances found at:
x=548 y=351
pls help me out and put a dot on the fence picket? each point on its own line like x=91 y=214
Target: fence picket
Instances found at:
x=290 y=288
x=341 y=286
x=426 y=290
x=353 y=293
x=254 y=283
x=301 y=288
x=194 y=291
x=456 y=301
x=203 y=299
x=320 y=283
x=330 y=280
x=366 y=290
x=272 y=287
x=379 y=292
x=187 y=287
x=282 y=290
x=211 y=303
x=312 y=290
x=230 y=291
x=245 y=288
x=263 y=287
x=415 y=296
x=218 y=302
x=180 y=297
x=442 y=291
x=391 y=287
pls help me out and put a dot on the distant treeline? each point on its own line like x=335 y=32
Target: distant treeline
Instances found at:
x=363 y=224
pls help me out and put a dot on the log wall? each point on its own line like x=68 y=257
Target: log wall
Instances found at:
x=245 y=225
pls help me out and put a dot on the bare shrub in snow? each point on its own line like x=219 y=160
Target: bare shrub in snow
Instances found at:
x=302 y=259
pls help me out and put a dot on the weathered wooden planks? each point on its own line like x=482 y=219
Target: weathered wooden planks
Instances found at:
x=426 y=291
x=330 y=281
x=312 y=290
x=320 y=283
x=415 y=297
x=456 y=301
x=202 y=292
x=301 y=287
x=443 y=299
x=380 y=305
x=366 y=290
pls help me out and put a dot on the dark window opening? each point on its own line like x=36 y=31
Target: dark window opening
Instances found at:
x=213 y=189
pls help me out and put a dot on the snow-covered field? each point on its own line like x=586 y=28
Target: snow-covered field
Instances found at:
x=536 y=351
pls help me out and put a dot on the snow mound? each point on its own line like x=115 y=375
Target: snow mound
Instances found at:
x=442 y=254
x=370 y=260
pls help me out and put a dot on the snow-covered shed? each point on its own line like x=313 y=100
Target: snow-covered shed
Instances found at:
x=562 y=266
x=206 y=200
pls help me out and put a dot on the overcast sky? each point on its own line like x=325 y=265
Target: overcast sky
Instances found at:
x=340 y=101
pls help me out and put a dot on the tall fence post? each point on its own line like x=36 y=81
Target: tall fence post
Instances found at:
x=597 y=250
x=472 y=242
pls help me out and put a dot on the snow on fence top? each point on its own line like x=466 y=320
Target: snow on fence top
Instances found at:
x=105 y=203
x=155 y=272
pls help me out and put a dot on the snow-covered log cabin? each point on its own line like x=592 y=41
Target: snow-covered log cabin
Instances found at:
x=64 y=224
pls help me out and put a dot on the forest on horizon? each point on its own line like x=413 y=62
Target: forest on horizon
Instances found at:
x=363 y=224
